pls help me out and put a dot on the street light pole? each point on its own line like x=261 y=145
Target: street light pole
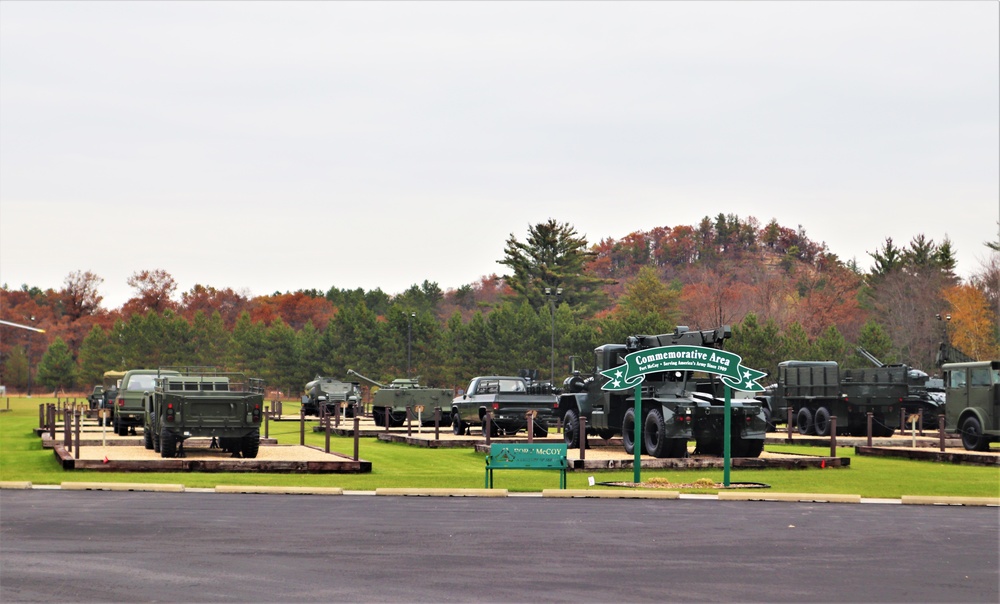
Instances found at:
x=409 y=340
x=552 y=296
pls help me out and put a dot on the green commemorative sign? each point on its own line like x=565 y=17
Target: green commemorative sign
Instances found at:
x=683 y=358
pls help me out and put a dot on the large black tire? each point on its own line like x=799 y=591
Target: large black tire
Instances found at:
x=628 y=432
x=654 y=434
x=457 y=425
x=147 y=438
x=973 y=438
x=250 y=444
x=804 y=421
x=494 y=430
x=679 y=448
x=168 y=443
x=821 y=421
x=745 y=447
x=156 y=442
x=571 y=429
x=378 y=416
x=541 y=429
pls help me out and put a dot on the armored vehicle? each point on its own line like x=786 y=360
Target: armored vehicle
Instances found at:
x=224 y=406
x=676 y=406
x=391 y=401
x=329 y=393
x=817 y=390
x=507 y=399
x=129 y=413
x=972 y=390
x=917 y=392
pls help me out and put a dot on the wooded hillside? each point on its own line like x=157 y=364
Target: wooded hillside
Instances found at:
x=785 y=295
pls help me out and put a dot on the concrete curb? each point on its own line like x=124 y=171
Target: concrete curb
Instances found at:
x=443 y=492
x=280 y=490
x=931 y=500
x=121 y=486
x=610 y=494
x=796 y=497
x=15 y=485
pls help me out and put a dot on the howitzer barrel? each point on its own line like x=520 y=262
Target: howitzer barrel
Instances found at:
x=367 y=379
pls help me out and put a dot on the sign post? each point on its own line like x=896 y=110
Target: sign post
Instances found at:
x=727 y=365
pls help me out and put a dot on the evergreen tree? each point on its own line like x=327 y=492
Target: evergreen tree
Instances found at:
x=830 y=346
x=57 y=369
x=553 y=256
x=647 y=294
x=97 y=355
x=247 y=346
x=760 y=346
x=280 y=359
x=877 y=342
x=15 y=368
x=209 y=340
x=796 y=343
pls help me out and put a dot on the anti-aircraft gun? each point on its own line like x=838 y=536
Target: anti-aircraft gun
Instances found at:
x=392 y=401
x=912 y=387
x=676 y=405
x=330 y=392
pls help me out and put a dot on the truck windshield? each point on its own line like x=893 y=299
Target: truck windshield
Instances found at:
x=511 y=386
x=141 y=382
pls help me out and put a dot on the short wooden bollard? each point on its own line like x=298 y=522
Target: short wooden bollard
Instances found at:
x=941 y=432
x=409 y=422
x=869 y=428
x=789 y=424
x=356 y=430
x=833 y=436
x=583 y=438
x=41 y=416
x=67 y=442
x=302 y=426
x=488 y=426
x=437 y=423
x=50 y=420
x=327 y=432
x=530 y=414
x=902 y=421
x=78 y=415
x=267 y=422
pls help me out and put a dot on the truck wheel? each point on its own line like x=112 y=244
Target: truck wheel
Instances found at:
x=541 y=430
x=972 y=435
x=156 y=442
x=654 y=434
x=378 y=417
x=804 y=421
x=147 y=438
x=457 y=425
x=628 y=432
x=571 y=429
x=250 y=445
x=753 y=447
x=494 y=430
x=822 y=422
x=770 y=427
x=168 y=444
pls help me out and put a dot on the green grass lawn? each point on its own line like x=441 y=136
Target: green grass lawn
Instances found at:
x=397 y=465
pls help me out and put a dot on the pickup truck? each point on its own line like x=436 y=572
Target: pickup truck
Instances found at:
x=508 y=399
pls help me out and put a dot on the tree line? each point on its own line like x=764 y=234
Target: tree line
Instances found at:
x=786 y=297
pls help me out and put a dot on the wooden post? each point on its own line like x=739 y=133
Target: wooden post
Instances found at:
x=869 y=428
x=833 y=436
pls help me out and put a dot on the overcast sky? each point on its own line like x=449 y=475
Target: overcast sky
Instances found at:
x=284 y=146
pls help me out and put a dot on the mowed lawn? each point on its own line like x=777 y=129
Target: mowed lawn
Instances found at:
x=397 y=465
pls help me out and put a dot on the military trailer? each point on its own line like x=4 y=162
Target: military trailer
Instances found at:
x=818 y=390
x=507 y=399
x=224 y=406
x=129 y=413
x=328 y=393
x=677 y=406
x=972 y=391
x=391 y=401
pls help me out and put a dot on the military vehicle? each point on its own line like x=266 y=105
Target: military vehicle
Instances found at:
x=391 y=401
x=677 y=406
x=972 y=390
x=330 y=393
x=224 y=406
x=817 y=390
x=129 y=413
x=105 y=402
x=507 y=399
x=914 y=389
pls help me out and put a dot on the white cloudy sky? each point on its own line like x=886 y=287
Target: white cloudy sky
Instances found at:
x=282 y=146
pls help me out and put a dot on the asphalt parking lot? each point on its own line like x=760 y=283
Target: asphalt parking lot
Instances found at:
x=80 y=546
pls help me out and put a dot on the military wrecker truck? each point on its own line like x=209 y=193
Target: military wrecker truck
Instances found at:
x=508 y=399
x=329 y=393
x=972 y=391
x=677 y=406
x=817 y=390
x=391 y=401
x=224 y=406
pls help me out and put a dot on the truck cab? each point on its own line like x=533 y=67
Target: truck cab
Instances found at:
x=972 y=394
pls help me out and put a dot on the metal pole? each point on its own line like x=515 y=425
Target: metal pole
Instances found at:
x=727 y=429
x=636 y=436
x=552 y=312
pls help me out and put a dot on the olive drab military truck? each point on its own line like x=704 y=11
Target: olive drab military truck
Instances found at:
x=677 y=406
x=129 y=413
x=224 y=406
x=972 y=391
x=328 y=393
x=819 y=390
x=391 y=401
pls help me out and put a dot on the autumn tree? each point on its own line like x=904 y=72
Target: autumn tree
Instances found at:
x=647 y=294
x=228 y=303
x=80 y=297
x=972 y=326
x=553 y=256
x=153 y=291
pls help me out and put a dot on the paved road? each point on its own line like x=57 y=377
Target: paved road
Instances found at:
x=207 y=547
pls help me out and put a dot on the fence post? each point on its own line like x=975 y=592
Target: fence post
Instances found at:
x=409 y=422
x=789 y=423
x=356 y=430
x=50 y=420
x=920 y=420
x=67 y=442
x=941 y=431
x=833 y=436
x=869 y=428
x=267 y=422
x=327 y=432
x=583 y=438
x=78 y=415
x=531 y=425
x=488 y=429
x=302 y=426
x=437 y=423
x=902 y=421
x=41 y=416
